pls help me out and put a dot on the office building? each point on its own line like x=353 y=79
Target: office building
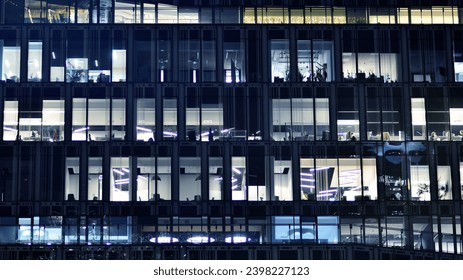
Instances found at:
x=220 y=129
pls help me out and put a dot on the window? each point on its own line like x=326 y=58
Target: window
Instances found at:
x=120 y=179
x=34 y=61
x=190 y=179
x=348 y=115
x=234 y=57
x=72 y=179
x=10 y=52
x=95 y=178
x=280 y=60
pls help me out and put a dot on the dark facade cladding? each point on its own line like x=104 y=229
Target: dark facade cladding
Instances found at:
x=137 y=129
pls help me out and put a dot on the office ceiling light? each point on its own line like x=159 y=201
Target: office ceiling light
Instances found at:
x=144 y=129
x=307 y=186
x=237 y=239
x=81 y=129
x=118 y=171
x=169 y=133
x=236 y=170
x=163 y=239
x=10 y=129
x=125 y=170
x=200 y=239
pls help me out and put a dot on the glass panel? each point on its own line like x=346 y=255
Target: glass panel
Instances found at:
x=307 y=179
x=119 y=65
x=147 y=179
x=59 y=13
x=419 y=119
x=348 y=115
x=188 y=15
x=11 y=62
x=211 y=114
x=164 y=60
x=190 y=179
x=53 y=120
x=238 y=180
x=120 y=177
x=215 y=178
x=83 y=14
x=283 y=188
x=164 y=182
x=249 y=15
x=125 y=12
x=79 y=119
x=170 y=118
x=167 y=13
x=444 y=177
x=144 y=51
x=423 y=233
x=456 y=114
x=34 y=62
x=10 y=121
x=297 y=16
x=95 y=178
x=192 y=114
x=149 y=13
x=209 y=57
x=437 y=113
x=33 y=11
x=234 y=58
x=189 y=57
x=118 y=119
x=394 y=232
x=419 y=180
x=146 y=119
x=76 y=57
x=98 y=119
x=394 y=168
x=402 y=15
x=279 y=60
x=58 y=56
x=72 y=178
x=339 y=15
x=322 y=118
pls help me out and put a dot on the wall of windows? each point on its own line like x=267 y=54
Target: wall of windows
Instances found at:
x=171 y=12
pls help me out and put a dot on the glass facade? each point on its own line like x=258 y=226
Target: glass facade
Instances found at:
x=153 y=125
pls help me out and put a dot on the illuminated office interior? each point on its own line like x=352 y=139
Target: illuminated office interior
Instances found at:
x=146 y=129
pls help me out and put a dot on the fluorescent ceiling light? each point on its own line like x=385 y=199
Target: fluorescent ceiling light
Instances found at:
x=163 y=239
x=200 y=239
x=237 y=239
x=144 y=129
x=118 y=171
